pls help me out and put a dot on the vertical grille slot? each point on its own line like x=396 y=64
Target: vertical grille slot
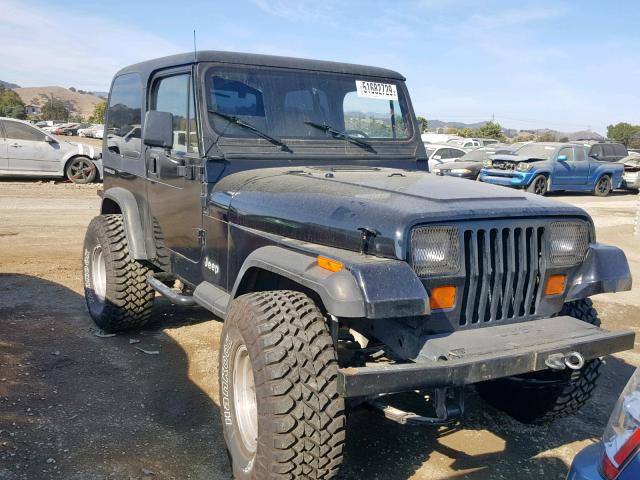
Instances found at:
x=502 y=274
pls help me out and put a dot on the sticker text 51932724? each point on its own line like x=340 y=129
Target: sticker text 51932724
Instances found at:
x=385 y=91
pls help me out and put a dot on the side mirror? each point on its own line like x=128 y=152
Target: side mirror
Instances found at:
x=437 y=157
x=595 y=155
x=562 y=158
x=158 y=129
x=49 y=139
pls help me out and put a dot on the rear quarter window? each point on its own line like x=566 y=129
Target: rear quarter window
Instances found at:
x=620 y=150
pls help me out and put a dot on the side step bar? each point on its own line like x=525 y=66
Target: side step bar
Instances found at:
x=168 y=292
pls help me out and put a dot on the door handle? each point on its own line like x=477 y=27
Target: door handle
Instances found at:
x=153 y=164
x=16 y=145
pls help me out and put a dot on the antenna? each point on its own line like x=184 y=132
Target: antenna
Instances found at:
x=194 y=45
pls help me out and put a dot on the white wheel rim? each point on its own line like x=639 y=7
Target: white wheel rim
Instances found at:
x=98 y=273
x=244 y=398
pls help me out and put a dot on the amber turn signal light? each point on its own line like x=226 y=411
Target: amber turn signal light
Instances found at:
x=555 y=285
x=328 y=264
x=443 y=297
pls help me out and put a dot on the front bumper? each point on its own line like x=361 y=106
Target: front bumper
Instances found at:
x=476 y=355
x=508 y=178
x=631 y=180
x=471 y=175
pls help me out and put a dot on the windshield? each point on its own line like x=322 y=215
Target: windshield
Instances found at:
x=533 y=150
x=278 y=102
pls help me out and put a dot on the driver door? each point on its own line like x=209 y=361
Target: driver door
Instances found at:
x=28 y=150
x=175 y=184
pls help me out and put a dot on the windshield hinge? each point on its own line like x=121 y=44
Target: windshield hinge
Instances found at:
x=201 y=233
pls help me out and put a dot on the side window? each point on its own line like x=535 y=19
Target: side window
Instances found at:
x=620 y=150
x=124 y=116
x=580 y=154
x=568 y=151
x=174 y=95
x=20 y=131
x=457 y=153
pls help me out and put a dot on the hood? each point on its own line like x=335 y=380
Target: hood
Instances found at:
x=515 y=158
x=328 y=205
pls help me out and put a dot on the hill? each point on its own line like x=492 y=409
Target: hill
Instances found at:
x=4 y=84
x=80 y=103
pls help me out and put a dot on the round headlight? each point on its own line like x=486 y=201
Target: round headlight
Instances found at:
x=487 y=164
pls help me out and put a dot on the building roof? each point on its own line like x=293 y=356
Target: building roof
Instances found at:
x=149 y=66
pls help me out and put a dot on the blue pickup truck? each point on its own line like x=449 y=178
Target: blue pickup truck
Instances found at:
x=546 y=167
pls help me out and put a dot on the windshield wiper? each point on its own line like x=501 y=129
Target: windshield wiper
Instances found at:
x=251 y=128
x=337 y=133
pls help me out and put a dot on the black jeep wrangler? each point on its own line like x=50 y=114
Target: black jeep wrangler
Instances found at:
x=290 y=198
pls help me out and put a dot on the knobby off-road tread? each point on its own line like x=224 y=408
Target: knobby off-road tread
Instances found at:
x=301 y=414
x=129 y=298
x=543 y=397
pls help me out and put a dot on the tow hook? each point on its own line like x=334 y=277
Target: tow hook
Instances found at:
x=560 y=361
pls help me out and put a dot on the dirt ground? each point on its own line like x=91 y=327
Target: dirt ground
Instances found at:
x=74 y=405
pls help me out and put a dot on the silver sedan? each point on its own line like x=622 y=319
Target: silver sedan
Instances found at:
x=28 y=151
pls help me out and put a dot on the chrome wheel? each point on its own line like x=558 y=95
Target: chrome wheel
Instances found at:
x=244 y=398
x=81 y=170
x=98 y=273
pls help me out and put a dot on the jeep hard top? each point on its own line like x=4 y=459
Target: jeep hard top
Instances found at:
x=290 y=198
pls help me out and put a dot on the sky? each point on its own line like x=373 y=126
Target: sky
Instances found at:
x=561 y=65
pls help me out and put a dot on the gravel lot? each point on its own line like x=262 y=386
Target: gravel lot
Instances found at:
x=77 y=406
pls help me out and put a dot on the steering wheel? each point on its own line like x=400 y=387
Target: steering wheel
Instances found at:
x=356 y=133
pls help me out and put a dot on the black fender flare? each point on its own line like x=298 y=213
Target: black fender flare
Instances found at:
x=364 y=288
x=131 y=218
x=605 y=269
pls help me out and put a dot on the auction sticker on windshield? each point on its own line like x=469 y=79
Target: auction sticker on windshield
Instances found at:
x=385 y=91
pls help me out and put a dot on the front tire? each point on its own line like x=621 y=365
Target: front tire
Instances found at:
x=538 y=185
x=81 y=170
x=115 y=286
x=281 y=413
x=603 y=186
x=542 y=397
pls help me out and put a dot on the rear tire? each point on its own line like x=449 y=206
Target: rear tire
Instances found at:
x=603 y=186
x=542 y=397
x=538 y=185
x=115 y=286
x=281 y=413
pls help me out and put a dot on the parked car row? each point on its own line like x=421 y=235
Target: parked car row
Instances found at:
x=28 y=151
x=541 y=167
x=70 y=129
x=92 y=131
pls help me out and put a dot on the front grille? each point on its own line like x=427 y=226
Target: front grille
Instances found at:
x=503 y=165
x=502 y=274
